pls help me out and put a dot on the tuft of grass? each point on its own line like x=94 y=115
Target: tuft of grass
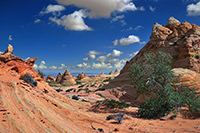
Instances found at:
x=107 y=80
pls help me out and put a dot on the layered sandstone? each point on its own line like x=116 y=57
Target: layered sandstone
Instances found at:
x=181 y=40
x=67 y=79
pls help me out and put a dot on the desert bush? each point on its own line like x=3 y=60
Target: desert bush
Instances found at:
x=29 y=79
x=154 y=78
x=107 y=80
x=78 y=82
x=111 y=103
x=41 y=74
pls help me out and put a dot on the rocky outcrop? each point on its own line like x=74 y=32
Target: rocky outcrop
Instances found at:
x=111 y=73
x=50 y=78
x=10 y=62
x=181 y=40
x=117 y=71
x=67 y=79
x=59 y=77
x=81 y=76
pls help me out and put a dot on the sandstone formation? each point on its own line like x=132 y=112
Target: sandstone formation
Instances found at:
x=117 y=71
x=10 y=62
x=111 y=73
x=81 y=76
x=50 y=78
x=59 y=77
x=181 y=40
x=67 y=79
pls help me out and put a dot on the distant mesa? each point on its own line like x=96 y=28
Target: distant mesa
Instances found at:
x=67 y=79
x=51 y=78
x=102 y=74
x=181 y=40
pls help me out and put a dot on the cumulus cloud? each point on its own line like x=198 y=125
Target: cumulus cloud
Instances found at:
x=92 y=55
x=37 y=21
x=126 y=41
x=138 y=27
x=10 y=38
x=120 y=63
x=134 y=53
x=52 y=9
x=152 y=9
x=102 y=8
x=101 y=65
x=107 y=58
x=41 y=66
x=72 y=21
x=193 y=9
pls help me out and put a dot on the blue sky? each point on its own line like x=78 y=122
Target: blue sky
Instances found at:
x=86 y=35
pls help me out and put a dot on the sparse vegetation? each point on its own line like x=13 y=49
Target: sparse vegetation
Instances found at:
x=41 y=74
x=155 y=78
x=29 y=79
x=78 y=82
x=107 y=80
x=100 y=95
x=111 y=103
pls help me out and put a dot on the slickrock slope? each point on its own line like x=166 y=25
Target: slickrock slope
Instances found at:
x=181 y=40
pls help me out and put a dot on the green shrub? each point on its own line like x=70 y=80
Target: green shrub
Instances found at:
x=154 y=78
x=29 y=79
x=78 y=82
x=107 y=80
x=41 y=74
x=111 y=103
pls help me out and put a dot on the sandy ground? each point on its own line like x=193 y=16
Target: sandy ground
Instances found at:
x=41 y=109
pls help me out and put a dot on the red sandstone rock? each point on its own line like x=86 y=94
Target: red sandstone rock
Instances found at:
x=81 y=76
x=50 y=78
x=59 y=77
x=181 y=40
x=67 y=79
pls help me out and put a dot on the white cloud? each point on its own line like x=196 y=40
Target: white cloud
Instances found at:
x=93 y=52
x=107 y=58
x=52 y=9
x=37 y=21
x=134 y=53
x=72 y=21
x=141 y=8
x=120 y=63
x=114 y=53
x=92 y=55
x=10 y=38
x=101 y=65
x=102 y=8
x=138 y=27
x=126 y=41
x=53 y=67
x=152 y=9
x=41 y=66
x=119 y=18
x=193 y=9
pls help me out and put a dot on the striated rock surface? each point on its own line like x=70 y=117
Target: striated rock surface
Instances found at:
x=10 y=62
x=67 y=79
x=111 y=73
x=50 y=78
x=181 y=40
x=59 y=77
x=81 y=76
